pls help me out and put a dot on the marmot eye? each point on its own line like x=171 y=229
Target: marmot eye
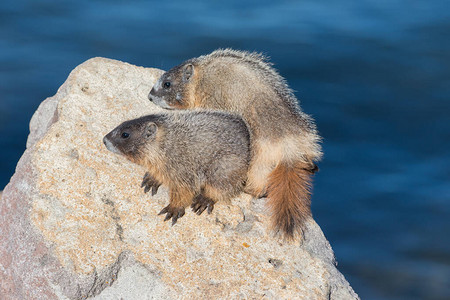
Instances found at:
x=166 y=84
x=125 y=135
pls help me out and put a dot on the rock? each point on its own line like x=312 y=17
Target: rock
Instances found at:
x=77 y=225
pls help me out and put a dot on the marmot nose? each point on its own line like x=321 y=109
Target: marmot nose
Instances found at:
x=150 y=97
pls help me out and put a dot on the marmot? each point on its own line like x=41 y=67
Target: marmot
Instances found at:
x=285 y=142
x=202 y=156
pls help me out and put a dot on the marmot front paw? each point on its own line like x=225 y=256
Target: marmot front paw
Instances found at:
x=200 y=203
x=149 y=182
x=172 y=212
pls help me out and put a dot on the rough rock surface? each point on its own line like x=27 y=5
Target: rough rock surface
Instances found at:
x=76 y=224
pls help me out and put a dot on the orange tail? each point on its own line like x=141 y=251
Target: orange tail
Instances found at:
x=289 y=196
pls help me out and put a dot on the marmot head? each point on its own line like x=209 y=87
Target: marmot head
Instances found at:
x=132 y=138
x=170 y=91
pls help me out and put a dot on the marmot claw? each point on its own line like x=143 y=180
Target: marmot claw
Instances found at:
x=200 y=203
x=149 y=182
x=172 y=212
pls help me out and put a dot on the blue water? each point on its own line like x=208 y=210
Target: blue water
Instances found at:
x=375 y=74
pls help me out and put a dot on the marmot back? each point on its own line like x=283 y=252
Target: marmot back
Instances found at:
x=201 y=156
x=285 y=143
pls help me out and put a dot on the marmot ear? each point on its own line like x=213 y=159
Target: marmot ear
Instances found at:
x=151 y=129
x=188 y=72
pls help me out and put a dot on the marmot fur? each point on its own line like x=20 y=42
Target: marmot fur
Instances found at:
x=285 y=143
x=202 y=157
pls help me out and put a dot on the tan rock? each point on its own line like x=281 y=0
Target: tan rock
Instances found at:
x=78 y=225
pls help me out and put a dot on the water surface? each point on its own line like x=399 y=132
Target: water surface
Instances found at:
x=374 y=74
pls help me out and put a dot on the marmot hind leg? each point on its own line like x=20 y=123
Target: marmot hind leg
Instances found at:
x=261 y=166
x=210 y=195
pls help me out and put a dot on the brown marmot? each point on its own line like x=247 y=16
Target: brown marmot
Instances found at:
x=202 y=156
x=285 y=142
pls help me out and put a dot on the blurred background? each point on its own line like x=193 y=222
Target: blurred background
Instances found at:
x=375 y=74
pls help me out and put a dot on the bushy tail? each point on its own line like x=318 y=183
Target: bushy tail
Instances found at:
x=289 y=196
